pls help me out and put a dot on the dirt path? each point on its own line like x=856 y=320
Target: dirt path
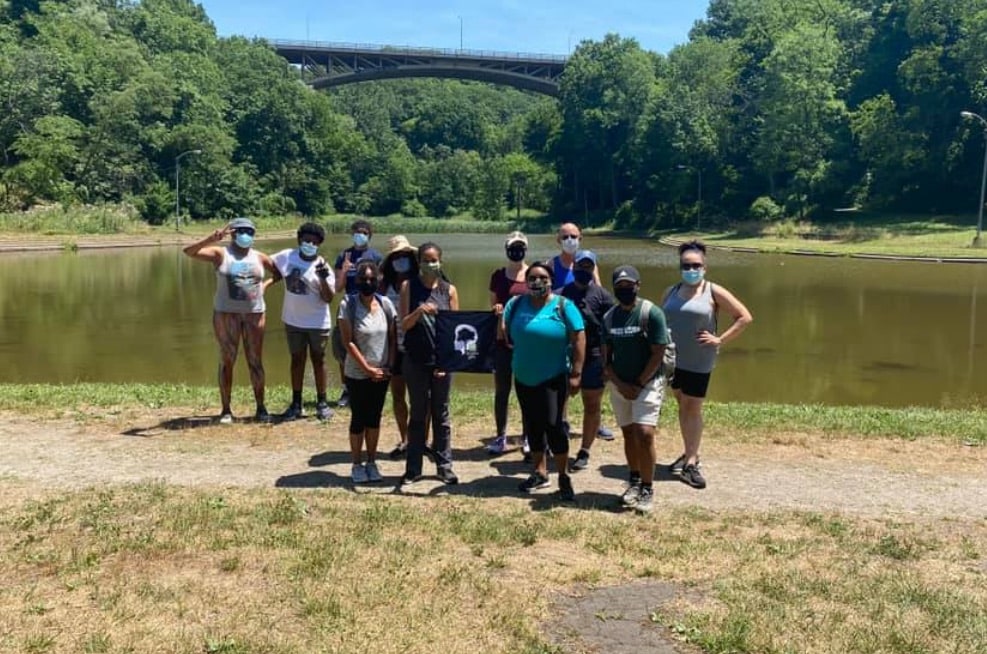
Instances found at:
x=868 y=478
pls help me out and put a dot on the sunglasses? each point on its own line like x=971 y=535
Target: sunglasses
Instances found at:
x=570 y=237
x=691 y=266
x=243 y=230
x=543 y=278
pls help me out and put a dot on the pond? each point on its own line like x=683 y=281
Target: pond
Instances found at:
x=826 y=330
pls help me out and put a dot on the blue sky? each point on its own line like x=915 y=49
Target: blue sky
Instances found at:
x=543 y=26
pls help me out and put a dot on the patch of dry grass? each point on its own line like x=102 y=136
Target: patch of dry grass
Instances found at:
x=154 y=568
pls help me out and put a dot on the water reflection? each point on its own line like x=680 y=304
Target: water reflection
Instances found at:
x=836 y=331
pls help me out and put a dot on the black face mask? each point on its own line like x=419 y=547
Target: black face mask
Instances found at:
x=625 y=295
x=366 y=287
x=516 y=254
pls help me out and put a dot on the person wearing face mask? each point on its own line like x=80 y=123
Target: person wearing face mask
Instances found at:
x=593 y=301
x=238 y=306
x=308 y=286
x=634 y=341
x=400 y=265
x=367 y=321
x=345 y=272
x=570 y=239
x=422 y=297
x=548 y=338
x=692 y=306
x=506 y=282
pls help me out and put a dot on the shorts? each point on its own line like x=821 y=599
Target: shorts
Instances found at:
x=592 y=379
x=300 y=338
x=693 y=384
x=643 y=410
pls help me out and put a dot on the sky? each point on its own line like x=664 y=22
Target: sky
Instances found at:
x=533 y=26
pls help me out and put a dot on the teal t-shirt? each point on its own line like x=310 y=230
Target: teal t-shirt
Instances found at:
x=630 y=350
x=540 y=338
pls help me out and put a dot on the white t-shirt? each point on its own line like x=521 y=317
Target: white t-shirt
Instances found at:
x=303 y=306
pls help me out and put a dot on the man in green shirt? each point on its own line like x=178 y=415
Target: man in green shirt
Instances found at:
x=635 y=336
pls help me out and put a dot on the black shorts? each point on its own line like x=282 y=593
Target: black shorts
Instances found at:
x=592 y=379
x=693 y=384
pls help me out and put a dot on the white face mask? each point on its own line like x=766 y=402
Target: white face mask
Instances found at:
x=570 y=244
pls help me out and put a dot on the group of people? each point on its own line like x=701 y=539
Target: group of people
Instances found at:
x=560 y=332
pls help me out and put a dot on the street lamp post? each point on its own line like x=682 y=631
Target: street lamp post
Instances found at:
x=699 y=193
x=178 y=196
x=460 y=32
x=978 y=239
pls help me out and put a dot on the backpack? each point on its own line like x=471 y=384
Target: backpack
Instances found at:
x=667 y=369
x=338 y=348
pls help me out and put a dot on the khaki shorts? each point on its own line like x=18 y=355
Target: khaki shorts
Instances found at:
x=300 y=339
x=643 y=410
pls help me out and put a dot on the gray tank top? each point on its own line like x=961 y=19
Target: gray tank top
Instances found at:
x=239 y=283
x=686 y=318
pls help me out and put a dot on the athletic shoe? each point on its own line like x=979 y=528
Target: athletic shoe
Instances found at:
x=398 y=453
x=359 y=474
x=581 y=462
x=344 y=399
x=534 y=482
x=645 y=500
x=322 y=411
x=631 y=495
x=566 y=493
x=410 y=480
x=226 y=418
x=497 y=446
x=293 y=412
x=262 y=415
x=691 y=475
x=447 y=476
x=675 y=467
x=604 y=434
x=373 y=472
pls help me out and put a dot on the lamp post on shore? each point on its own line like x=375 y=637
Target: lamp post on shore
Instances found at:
x=978 y=239
x=699 y=193
x=460 y=32
x=178 y=195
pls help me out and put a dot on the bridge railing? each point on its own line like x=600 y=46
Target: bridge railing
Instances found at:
x=362 y=48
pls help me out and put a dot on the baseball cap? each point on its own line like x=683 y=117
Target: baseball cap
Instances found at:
x=585 y=255
x=626 y=273
x=516 y=237
x=239 y=223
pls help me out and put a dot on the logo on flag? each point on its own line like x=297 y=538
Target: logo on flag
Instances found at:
x=465 y=340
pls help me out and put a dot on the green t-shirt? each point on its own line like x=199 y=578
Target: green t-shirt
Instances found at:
x=630 y=351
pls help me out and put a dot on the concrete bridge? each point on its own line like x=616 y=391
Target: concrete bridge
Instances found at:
x=333 y=64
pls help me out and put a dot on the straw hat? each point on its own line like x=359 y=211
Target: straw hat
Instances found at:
x=398 y=244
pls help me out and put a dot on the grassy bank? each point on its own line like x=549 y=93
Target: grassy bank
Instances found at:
x=732 y=420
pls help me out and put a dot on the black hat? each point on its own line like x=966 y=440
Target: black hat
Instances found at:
x=626 y=273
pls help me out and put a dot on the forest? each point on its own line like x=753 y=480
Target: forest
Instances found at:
x=773 y=108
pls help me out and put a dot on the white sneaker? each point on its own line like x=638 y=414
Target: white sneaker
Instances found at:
x=359 y=474
x=373 y=472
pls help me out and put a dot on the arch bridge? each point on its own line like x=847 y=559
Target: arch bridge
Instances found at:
x=333 y=64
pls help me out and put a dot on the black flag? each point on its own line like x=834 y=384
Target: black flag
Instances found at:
x=465 y=341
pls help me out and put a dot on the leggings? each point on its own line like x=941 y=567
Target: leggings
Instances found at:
x=366 y=403
x=230 y=329
x=503 y=373
x=542 y=411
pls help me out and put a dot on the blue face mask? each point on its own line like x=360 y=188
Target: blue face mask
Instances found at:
x=693 y=277
x=308 y=249
x=360 y=240
x=582 y=277
x=244 y=240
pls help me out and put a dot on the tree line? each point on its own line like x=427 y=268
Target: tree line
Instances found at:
x=777 y=107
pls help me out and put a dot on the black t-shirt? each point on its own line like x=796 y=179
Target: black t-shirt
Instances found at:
x=356 y=256
x=592 y=301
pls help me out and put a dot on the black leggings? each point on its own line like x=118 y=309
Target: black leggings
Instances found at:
x=503 y=373
x=542 y=411
x=366 y=403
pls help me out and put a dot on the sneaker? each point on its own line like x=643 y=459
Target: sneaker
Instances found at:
x=226 y=418
x=631 y=495
x=534 y=482
x=447 y=476
x=526 y=450
x=359 y=474
x=373 y=472
x=691 y=475
x=262 y=415
x=604 y=434
x=398 y=452
x=322 y=411
x=645 y=500
x=566 y=493
x=293 y=412
x=675 y=467
x=344 y=399
x=410 y=480
x=497 y=446
x=581 y=462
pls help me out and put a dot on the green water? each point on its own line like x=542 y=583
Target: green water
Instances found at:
x=833 y=331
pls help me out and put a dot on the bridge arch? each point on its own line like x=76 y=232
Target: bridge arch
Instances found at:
x=524 y=82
